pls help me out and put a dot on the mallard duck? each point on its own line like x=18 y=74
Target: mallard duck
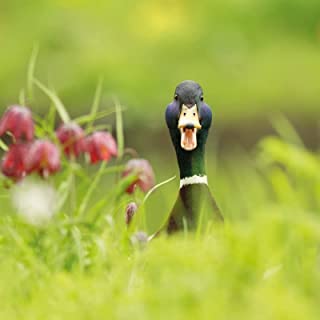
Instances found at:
x=189 y=118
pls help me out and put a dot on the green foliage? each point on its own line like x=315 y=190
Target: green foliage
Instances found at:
x=262 y=264
x=252 y=57
x=262 y=269
x=293 y=172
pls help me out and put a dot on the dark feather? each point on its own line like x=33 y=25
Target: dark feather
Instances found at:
x=194 y=204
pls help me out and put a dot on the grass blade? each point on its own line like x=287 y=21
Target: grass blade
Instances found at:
x=22 y=97
x=119 y=128
x=55 y=99
x=156 y=187
x=95 y=104
x=286 y=130
x=93 y=186
x=87 y=118
x=31 y=71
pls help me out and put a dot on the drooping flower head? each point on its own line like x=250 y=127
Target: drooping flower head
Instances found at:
x=13 y=162
x=101 y=146
x=43 y=157
x=71 y=136
x=145 y=177
x=18 y=121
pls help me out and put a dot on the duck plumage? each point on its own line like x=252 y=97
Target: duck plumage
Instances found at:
x=188 y=119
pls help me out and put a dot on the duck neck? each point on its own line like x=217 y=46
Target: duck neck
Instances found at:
x=191 y=163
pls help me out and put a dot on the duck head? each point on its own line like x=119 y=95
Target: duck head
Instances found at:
x=188 y=116
x=188 y=119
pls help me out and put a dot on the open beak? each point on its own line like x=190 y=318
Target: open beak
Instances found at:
x=189 y=124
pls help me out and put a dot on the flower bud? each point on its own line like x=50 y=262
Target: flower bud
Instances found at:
x=130 y=212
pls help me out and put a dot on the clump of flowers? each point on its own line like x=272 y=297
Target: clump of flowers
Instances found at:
x=27 y=155
x=30 y=151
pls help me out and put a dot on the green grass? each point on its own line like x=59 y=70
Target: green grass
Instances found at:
x=262 y=264
x=262 y=268
x=252 y=58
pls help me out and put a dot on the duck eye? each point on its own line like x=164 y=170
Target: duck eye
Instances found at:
x=184 y=113
x=201 y=98
x=194 y=114
x=175 y=97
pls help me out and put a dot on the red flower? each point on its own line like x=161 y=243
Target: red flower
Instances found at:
x=145 y=176
x=101 y=146
x=43 y=157
x=18 y=121
x=13 y=162
x=71 y=136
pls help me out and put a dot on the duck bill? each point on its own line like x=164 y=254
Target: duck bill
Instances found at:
x=188 y=125
x=188 y=139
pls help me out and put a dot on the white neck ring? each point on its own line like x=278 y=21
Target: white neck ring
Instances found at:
x=193 y=180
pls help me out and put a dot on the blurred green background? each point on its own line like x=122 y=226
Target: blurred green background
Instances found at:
x=257 y=60
x=253 y=59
